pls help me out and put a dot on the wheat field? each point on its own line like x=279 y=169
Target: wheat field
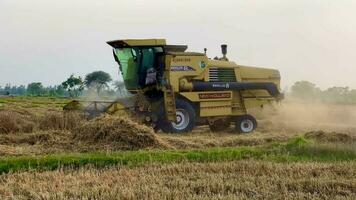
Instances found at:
x=246 y=179
x=294 y=154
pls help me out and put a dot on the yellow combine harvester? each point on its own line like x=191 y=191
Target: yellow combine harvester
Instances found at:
x=175 y=90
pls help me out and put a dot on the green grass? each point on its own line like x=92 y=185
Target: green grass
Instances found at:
x=296 y=150
x=27 y=102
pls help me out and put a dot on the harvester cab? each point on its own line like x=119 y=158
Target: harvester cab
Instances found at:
x=175 y=90
x=142 y=62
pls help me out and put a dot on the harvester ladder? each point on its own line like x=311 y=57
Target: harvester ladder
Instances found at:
x=170 y=104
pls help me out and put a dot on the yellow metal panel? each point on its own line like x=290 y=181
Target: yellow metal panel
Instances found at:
x=238 y=76
x=257 y=74
x=257 y=102
x=255 y=93
x=215 y=108
x=220 y=63
x=146 y=42
x=143 y=42
x=238 y=106
x=185 y=66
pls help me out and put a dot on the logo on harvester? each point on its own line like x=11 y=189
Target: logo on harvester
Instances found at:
x=221 y=85
x=214 y=95
x=202 y=64
x=182 y=68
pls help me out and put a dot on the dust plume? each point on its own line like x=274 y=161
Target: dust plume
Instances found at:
x=301 y=116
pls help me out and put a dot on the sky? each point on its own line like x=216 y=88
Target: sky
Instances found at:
x=47 y=40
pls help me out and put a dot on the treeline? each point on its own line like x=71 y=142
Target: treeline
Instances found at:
x=307 y=91
x=33 y=89
x=96 y=83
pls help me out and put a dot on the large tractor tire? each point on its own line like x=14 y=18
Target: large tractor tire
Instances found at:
x=186 y=118
x=245 y=124
x=219 y=126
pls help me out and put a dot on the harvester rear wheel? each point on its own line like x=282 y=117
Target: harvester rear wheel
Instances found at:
x=186 y=118
x=245 y=124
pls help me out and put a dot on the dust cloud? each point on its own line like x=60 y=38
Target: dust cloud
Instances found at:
x=300 y=116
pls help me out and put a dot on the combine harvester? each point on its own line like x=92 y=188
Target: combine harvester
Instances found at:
x=174 y=90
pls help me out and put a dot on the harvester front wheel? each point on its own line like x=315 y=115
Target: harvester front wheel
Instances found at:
x=185 y=114
x=245 y=124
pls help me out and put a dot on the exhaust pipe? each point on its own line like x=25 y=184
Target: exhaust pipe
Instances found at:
x=224 y=51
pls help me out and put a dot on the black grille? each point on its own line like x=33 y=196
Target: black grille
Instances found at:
x=222 y=75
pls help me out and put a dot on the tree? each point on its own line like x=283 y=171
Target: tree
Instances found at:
x=7 y=89
x=60 y=90
x=21 y=90
x=352 y=96
x=35 y=89
x=98 y=80
x=305 y=90
x=337 y=95
x=120 y=88
x=74 y=85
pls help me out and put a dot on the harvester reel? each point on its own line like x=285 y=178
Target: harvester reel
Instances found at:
x=92 y=109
